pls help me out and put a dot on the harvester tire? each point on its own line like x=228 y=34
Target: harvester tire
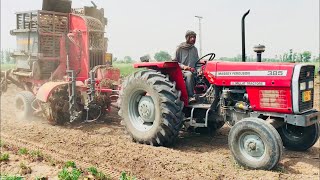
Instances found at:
x=255 y=144
x=299 y=138
x=23 y=105
x=151 y=108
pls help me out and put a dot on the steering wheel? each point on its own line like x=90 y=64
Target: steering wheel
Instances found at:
x=199 y=64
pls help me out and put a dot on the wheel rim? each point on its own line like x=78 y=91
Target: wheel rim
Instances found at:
x=20 y=105
x=252 y=146
x=141 y=111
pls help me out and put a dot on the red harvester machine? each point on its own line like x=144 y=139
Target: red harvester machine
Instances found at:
x=268 y=106
x=61 y=63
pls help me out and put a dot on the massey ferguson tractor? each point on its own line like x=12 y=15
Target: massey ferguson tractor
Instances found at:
x=268 y=106
x=61 y=64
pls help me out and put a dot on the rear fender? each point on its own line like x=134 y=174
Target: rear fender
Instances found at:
x=173 y=70
x=46 y=89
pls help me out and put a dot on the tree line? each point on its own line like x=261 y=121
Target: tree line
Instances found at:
x=290 y=56
x=161 y=56
x=5 y=56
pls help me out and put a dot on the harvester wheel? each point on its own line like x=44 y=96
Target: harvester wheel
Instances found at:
x=299 y=138
x=23 y=105
x=57 y=109
x=151 y=108
x=255 y=144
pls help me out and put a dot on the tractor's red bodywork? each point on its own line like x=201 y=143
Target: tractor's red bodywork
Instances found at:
x=267 y=90
x=79 y=60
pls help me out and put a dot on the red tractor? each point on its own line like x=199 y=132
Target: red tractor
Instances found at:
x=267 y=105
x=61 y=64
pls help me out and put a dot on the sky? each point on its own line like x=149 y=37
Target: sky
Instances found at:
x=140 y=27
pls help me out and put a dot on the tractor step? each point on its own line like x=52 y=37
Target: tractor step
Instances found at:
x=199 y=106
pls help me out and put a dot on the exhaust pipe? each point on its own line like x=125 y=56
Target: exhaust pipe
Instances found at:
x=244 y=37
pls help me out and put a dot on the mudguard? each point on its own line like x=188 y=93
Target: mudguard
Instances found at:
x=173 y=70
x=46 y=89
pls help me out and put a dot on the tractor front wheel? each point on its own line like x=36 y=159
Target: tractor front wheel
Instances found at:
x=255 y=144
x=299 y=138
x=23 y=105
x=151 y=108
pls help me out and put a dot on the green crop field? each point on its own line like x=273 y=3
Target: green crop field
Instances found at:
x=125 y=69
x=6 y=66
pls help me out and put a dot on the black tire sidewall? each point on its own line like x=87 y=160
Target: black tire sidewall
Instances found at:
x=310 y=137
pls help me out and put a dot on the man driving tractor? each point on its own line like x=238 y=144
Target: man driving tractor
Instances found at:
x=187 y=56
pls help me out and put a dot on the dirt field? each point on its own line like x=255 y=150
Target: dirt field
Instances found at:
x=104 y=144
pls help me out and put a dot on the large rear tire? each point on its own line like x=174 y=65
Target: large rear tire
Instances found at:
x=151 y=108
x=299 y=138
x=23 y=105
x=255 y=144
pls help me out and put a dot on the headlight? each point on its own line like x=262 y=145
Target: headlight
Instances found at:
x=310 y=84
x=303 y=86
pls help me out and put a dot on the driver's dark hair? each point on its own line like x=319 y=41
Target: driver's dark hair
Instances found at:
x=189 y=33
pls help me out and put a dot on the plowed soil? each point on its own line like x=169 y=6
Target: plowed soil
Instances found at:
x=105 y=145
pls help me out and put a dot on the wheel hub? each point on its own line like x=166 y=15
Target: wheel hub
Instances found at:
x=253 y=146
x=146 y=109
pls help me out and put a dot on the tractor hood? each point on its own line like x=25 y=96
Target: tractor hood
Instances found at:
x=249 y=73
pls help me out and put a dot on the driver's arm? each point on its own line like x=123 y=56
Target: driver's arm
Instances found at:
x=178 y=59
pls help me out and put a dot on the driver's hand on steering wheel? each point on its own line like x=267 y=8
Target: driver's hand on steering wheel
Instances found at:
x=203 y=61
x=188 y=68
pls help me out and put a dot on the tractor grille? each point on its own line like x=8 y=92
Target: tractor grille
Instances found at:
x=306 y=75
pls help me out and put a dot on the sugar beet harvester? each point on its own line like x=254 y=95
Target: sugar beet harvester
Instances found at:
x=61 y=64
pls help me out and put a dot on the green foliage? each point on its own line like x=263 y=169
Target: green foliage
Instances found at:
x=37 y=155
x=290 y=56
x=5 y=56
x=93 y=170
x=69 y=174
x=125 y=69
x=4 y=157
x=10 y=177
x=70 y=171
x=97 y=174
x=306 y=56
x=127 y=59
x=162 y=56
x=70 y=164
x=22 y=151
x=7 y=66
x=124 y=176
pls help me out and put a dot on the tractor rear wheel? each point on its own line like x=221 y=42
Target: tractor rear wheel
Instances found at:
x=23 y=105
x=255 y=144
x=151 y=108
x=299 y=138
